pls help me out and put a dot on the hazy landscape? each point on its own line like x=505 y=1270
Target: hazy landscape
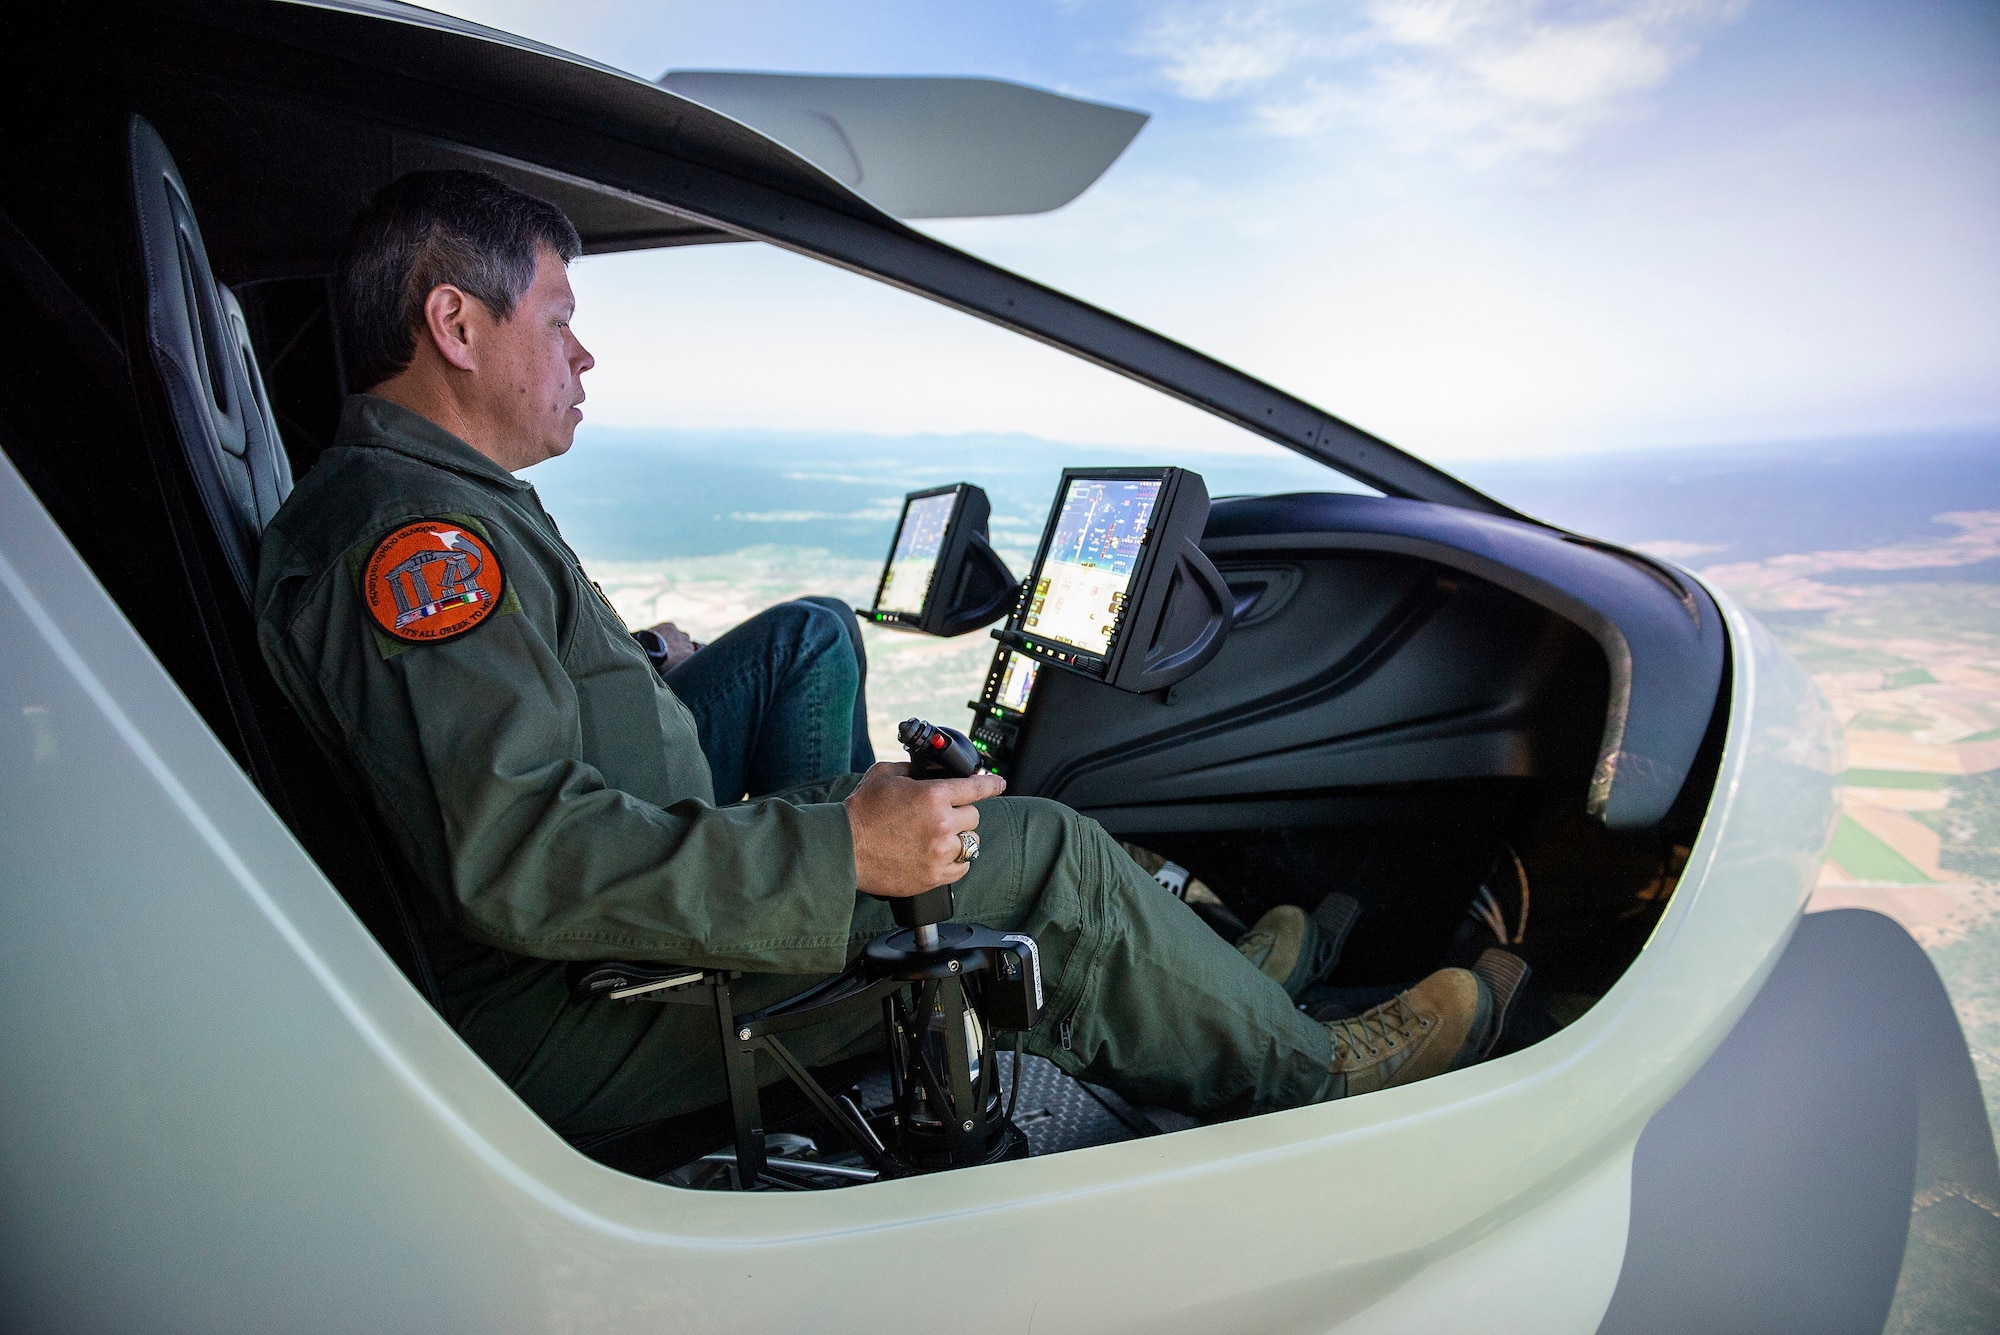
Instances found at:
x=1877 y=563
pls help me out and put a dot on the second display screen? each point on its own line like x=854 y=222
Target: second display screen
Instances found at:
x=1080 y=588
x=907 y=581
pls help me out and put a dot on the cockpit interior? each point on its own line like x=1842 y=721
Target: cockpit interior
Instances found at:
x=1488 y=732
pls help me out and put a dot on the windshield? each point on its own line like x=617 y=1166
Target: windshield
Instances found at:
x=756 y=419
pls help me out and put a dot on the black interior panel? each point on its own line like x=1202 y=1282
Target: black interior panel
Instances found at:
x=1660 y=635
x=1383 y=641
x=1381 y=672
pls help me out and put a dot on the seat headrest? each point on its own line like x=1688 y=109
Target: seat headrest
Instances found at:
x=199 y=346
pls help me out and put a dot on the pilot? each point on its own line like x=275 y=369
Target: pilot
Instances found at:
x=561 y=801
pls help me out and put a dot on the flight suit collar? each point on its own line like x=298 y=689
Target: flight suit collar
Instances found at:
x=368 y=420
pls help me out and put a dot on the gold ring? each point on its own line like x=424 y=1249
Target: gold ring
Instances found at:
x=968 y=845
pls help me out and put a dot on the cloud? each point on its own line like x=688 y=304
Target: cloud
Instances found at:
x=1484 y=79
x=1213 y=51
x=1674 y=549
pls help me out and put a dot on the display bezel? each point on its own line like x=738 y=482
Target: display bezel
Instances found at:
x=995 y=726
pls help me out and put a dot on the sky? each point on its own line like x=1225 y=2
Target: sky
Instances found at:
x=1479 y=230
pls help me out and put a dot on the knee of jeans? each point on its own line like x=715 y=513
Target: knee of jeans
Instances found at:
x=823 y=638
x=842 y=611
x=850 y=624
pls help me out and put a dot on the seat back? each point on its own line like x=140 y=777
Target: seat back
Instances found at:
x=262 y=418
x=220 y=423
x=200 y=347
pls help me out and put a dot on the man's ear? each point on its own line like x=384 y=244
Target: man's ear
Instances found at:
x=447 y=314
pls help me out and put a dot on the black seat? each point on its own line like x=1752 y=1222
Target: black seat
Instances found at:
x=200 y=348
x=270 y=461
x=220 y=441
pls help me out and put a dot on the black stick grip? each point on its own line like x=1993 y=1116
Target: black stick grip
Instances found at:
x=935 y=753
x=934 y=905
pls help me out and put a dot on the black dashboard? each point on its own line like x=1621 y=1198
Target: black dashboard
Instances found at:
x=1384 y=655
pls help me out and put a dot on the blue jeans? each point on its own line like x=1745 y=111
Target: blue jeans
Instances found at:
x=780 y=699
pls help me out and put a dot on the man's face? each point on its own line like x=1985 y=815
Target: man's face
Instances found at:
x=531 y=369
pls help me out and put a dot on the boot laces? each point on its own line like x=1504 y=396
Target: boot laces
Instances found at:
x=1388 y=1025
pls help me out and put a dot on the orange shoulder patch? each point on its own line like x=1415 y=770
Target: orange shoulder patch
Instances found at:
x=432 y=580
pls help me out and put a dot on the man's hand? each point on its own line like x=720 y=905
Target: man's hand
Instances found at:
x=679 y=647
x=906 y=832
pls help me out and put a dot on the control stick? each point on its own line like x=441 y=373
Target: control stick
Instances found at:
x=935 y=753
x=944 y=990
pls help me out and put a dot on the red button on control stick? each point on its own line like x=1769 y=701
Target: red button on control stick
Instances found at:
x=939 y=741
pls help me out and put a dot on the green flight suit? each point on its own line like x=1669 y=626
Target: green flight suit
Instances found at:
x=552 y=796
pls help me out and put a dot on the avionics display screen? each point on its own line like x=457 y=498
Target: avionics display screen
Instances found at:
x=1081 y=585
x=906 y=582
x=1017 y=682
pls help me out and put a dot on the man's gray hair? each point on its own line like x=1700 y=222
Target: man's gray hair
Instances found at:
x=427 y=229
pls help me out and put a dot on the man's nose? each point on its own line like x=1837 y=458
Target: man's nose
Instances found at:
x=582 y=359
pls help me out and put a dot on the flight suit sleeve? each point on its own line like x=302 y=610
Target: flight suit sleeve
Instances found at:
x=476 y=741
x=834 y=789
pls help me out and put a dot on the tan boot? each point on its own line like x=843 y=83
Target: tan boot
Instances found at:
x=1172 y=876
x=1297 y=951
x=1436 y=1026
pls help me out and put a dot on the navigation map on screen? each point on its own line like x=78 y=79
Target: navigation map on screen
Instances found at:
x=1080 y=589
x=1017 y=681
x=908 y=579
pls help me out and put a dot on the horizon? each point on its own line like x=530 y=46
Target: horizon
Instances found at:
x=658 y=493
x=612 y=434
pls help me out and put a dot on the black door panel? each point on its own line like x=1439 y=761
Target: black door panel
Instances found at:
x=1378 y=670
x=1388 y=644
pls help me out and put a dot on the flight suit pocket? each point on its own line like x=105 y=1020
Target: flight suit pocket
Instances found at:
x=617 y=694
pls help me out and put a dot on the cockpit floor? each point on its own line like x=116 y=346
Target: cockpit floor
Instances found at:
x=1055 y=1111
x=1058 y=1112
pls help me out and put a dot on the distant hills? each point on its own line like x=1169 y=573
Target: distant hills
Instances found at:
x=652 y=495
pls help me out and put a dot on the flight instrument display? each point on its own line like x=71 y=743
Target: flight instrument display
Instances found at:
x=906 y=582
x=1080 y=590
x=1017 y=683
